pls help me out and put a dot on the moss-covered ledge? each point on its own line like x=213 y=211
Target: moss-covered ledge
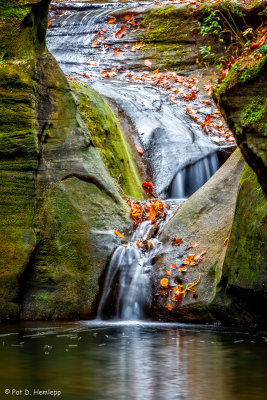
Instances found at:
x=242 y=98
x=107 y=137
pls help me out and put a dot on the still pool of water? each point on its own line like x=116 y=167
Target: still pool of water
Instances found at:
x=121 y=361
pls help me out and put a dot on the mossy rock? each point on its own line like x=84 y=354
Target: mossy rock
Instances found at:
x=242 y=99
x=244 y=278
x=107 y=137
x=59 y=204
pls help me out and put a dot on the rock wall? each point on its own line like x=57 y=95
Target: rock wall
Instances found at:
x=115 y=148
x=243 y=287
x=59 y=205
x=206 y=217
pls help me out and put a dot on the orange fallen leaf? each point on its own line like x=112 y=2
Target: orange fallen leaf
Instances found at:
x=168 y=272
x=121 y=32
x=177 y=241
x=164 y=282
x=95 y=43
x=149 y=243
x=93 y=62
x=173 y=266
x=49 y=23
x=226 y=240
x=183 y=269
x=117 y=233
x=85 y=75
x=111 y=19
x=169 y=307
x=116 y=52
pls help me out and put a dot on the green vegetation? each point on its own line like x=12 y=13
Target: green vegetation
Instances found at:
x=116 y=152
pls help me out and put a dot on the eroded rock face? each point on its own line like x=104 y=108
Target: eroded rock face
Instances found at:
x=243 y=287
x=242 y=99
x=205 y=217
x=59 y=205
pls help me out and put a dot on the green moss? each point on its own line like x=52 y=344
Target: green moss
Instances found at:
x=109 y=140
x=241 y=72
x=246 y=258
x=255 y=114
x=252 y=70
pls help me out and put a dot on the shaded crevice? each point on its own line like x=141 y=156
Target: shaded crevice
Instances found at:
x=24 y=277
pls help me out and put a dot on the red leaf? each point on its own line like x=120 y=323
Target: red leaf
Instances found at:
x=149 y=188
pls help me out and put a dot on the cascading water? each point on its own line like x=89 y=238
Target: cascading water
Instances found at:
x=190 y=179
x=171 y=140
x=128 y=274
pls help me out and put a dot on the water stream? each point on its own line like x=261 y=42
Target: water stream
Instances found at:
x=127 y=291
x=171 y=140
x=180 y=155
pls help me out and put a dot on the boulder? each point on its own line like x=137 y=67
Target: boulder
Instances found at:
x=206 y=217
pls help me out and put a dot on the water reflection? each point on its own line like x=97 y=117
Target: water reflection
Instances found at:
x=120 y=361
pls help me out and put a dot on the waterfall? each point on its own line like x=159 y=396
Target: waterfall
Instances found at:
x=191 y=178
x=172 y=142
x=127 y=282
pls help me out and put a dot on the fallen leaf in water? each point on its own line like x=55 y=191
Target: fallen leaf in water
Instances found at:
x=155 y=72
x=93 y=62
x=49 y=23
x=177 y=241
x=127 y=16
x=148 y=63
x=168 y=272
x=173 y=266
x=169 y=307
x=116 y=52
x=85 y=75
x=139 y=149
x=121 y=32
x=183 y=269
x=164 y=282
x=111 y=19
x=117 y=233
x=149 y=243
x=95 y=43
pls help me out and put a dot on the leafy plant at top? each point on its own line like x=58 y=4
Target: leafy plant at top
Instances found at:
x=221 y=22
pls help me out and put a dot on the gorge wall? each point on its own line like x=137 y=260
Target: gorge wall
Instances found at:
x=59 y=204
